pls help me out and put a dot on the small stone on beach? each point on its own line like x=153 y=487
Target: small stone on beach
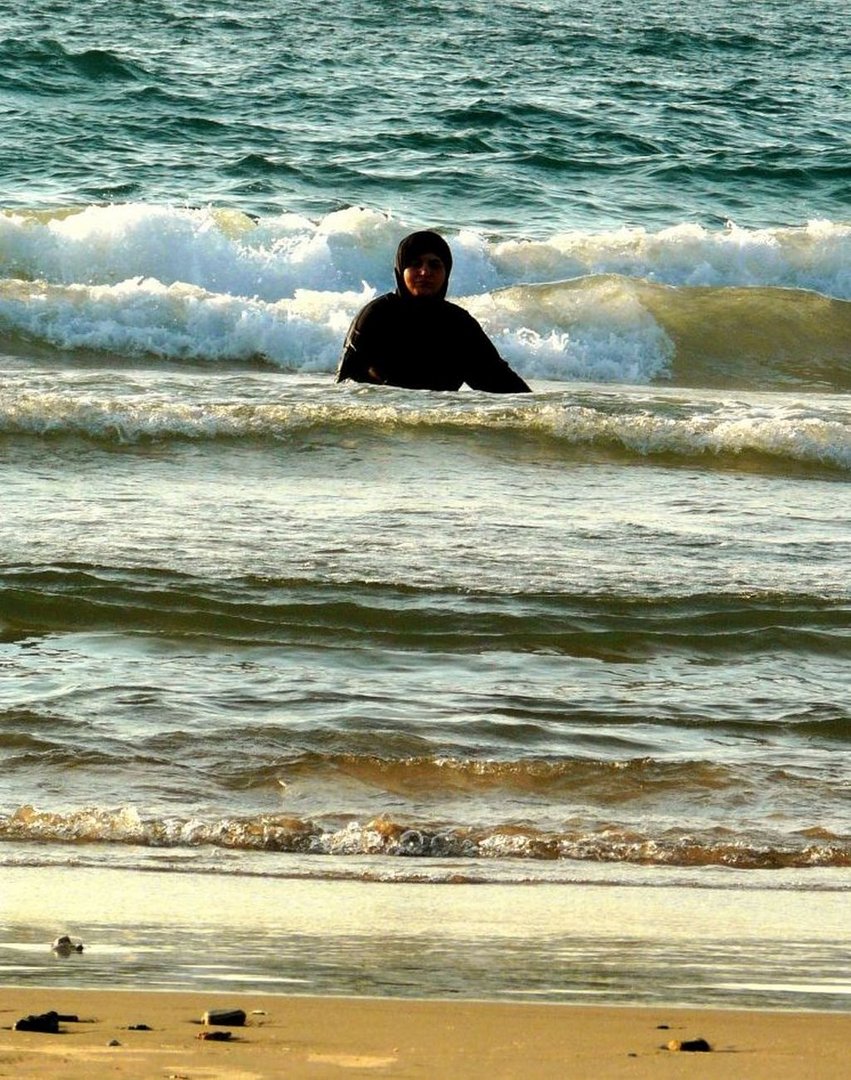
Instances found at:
x=690 y=1045
x=214 y=1036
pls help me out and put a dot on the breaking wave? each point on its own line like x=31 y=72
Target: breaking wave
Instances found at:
x=732 y=307
x=384 y=836
x=781 y=432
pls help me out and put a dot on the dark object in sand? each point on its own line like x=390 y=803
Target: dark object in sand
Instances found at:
x=213 y=1036
x=139 y=1027
x=45 y=1022
x=224 y=1017
x=695 y=1046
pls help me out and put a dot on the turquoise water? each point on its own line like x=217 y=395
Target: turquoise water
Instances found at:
x=516 y=118
x=259 y=627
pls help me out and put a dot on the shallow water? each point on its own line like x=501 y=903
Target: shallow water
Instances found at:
x=702 y=942
x=263 y=627
x=569 y=653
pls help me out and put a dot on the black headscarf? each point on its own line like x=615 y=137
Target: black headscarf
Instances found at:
x=419 y=243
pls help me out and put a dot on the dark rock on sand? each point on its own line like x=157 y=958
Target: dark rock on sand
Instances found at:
x=45 y=1022
x=224 y=1017
x=699 y=1046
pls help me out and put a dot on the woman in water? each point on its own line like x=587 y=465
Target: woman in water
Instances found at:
x=414 y=337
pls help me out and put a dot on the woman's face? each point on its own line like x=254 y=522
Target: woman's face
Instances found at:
x=425 y=275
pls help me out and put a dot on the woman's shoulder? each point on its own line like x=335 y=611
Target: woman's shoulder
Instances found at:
x=460 y=317
x=381 y=303
x=375 y=311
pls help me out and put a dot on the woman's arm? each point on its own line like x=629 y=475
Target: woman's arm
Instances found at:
x=485 y=369
x=361 y=359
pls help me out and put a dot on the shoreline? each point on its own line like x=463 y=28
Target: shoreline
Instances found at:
x=310 y=1036
x=565 y=944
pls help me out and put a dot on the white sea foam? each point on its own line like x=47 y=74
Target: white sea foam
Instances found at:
x=205 y=284
x=816 y=256
x=717 y=429
x=226 y=251
x=598 y=337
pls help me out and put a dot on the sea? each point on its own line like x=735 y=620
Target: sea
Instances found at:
x=324 y=688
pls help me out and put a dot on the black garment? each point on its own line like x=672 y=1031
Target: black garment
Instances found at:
x=423 y=345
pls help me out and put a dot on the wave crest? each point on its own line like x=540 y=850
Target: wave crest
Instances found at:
x=661 y=426
x=386 y=837
x=742 y=308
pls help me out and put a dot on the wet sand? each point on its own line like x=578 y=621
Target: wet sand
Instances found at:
x=357 y=1037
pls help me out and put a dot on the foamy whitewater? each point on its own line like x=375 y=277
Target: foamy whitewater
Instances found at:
x=267 y=641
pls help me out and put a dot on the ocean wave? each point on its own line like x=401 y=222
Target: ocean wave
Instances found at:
x=735 y=307
x=84 y=597
x=769 y=434
x=385 y=837
x=45 y=65
x=230 y=251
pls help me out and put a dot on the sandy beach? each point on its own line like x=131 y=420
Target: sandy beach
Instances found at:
x=337 y=1037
